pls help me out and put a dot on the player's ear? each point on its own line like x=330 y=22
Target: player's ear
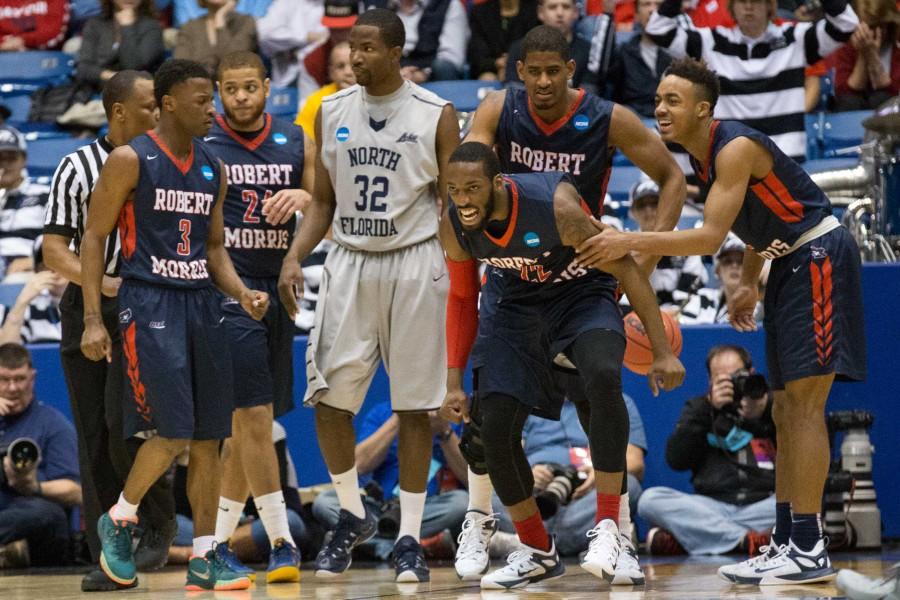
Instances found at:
x=497 y=182
x=267 y=86
x=396 y=53
x=704 y=110
x=570 y=69
x=520 y=70
x=168 y=103
x=118 y=112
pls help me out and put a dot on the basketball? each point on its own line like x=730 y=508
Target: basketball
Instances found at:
x=638 y=351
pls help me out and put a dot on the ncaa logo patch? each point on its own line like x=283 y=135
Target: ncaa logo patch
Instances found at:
x=581 y=122
x=207 y=172
x=531 y=239
x=125 y=316
x=342 y=134
x=280 y=139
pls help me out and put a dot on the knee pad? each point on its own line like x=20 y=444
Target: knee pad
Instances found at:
x=470 y=444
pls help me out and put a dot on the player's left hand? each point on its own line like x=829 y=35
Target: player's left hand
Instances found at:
x=255 y=302
x=666 y=373
x=281 y=206
x=607 y=245
x=742 y=306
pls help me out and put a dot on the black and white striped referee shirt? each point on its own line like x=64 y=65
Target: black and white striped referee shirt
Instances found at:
x=70 y=196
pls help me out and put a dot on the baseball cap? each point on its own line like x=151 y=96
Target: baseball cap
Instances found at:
x=12 y=139
x=642 y=189
x=732 y=243
x=340 y=14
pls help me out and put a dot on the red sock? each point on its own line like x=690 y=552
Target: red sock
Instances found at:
x=532 y=532
x=608 y=507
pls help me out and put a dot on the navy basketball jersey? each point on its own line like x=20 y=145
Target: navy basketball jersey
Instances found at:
x=164 y=225
x=530 y=248
x=777 y=209
x=577 y=144
x=257 y=168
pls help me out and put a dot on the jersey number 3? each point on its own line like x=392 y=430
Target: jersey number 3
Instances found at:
x=372 y=199
x=184 y=247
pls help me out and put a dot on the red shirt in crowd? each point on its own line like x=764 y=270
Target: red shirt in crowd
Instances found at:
x=40 y=23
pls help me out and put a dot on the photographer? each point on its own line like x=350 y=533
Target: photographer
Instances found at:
x=39 y=481
x=379 y=473
x=726 y=438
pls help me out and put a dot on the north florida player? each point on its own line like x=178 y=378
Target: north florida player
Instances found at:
x=265 y=161
x=526 y=226
x=383 y=144
x=813 y=303
x=166 y=190
x=550 y=127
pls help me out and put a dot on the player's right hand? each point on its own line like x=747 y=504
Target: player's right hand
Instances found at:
x=665 y=373
x=95 y=342
x=256 y=303
x=455 y=407
x=741 y=308
x=290 y=286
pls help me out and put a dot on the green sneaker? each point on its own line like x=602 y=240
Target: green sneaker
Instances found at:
x=210 y=573
x=116 y=558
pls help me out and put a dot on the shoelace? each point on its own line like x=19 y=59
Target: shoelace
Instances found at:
x=407 y=564
x=469 y=539
x=342 y=539
x=519 y=558
x=123 y=540
x=596 y=535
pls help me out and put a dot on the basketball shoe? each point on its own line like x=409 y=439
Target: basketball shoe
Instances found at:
x=284 y=563
x=792 y=565
x=409 y=561
x=226 y=556
x=525 y=566
x=472 y=558
x=603 y=550
x=210 y=572
x=335 y=556
x=116 y=558
x=859 y=587
x=628 y=569
x=746 y=568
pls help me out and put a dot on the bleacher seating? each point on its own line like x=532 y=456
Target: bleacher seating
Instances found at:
x=19 y=104
x=621 y=182
x=283 y=102
x=35 y=69
x=842 y=130
x=9 y=292
x=44 y=154
x=827 y=164
x=465 y=95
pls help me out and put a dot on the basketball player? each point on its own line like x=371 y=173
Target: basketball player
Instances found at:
x=546 y=127
x=544 y=304
x=166 y=191
x=814 y=329
x=383 y=145
x=265 y=161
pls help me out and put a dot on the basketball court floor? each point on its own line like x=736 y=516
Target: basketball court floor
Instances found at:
x=667 y=579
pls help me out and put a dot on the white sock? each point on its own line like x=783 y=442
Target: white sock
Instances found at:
x=480 y=490
x=346 y=485
x=227 y=518
x=273 y=513
x=123 y=510
x=412 y=507
x=203 y=544
x=625 y=515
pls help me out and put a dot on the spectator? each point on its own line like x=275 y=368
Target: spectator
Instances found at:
x=35 y=496
x=437 y=34
x=551 y=444
x=868 y=68
x=312 y=69
x=638 y=66
x=710 y=305
x=125 y=36
x=376 y=461
x=495 y=25
x=287 y=29
x=728 y=444
x=220 y=31
x=340 y=74
x=23 y=204
x=249 y=541
x=760 y=64
x=32 y=24
x=187 y=10
x=35 y=318
x=676 y=278
x=592 y=55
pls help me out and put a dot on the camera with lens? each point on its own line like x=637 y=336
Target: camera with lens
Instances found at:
x=24 y=453
x=751 y=385
x=558 y=492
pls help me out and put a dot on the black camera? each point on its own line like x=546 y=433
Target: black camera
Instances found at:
x=558 y=492
x=751 y=385
x=389 y=521
x=845 y=420
x=23 y=452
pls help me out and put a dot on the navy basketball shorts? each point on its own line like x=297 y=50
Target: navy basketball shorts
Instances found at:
x=176 y=360
x=814 y=313
x=262 y=352
x=518 y=339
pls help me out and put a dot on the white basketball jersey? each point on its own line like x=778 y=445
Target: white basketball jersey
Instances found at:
x=380 y=155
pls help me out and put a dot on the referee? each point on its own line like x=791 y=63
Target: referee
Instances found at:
x=95 y=388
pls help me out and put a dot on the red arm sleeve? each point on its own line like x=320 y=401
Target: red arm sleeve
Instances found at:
x=462 y=311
